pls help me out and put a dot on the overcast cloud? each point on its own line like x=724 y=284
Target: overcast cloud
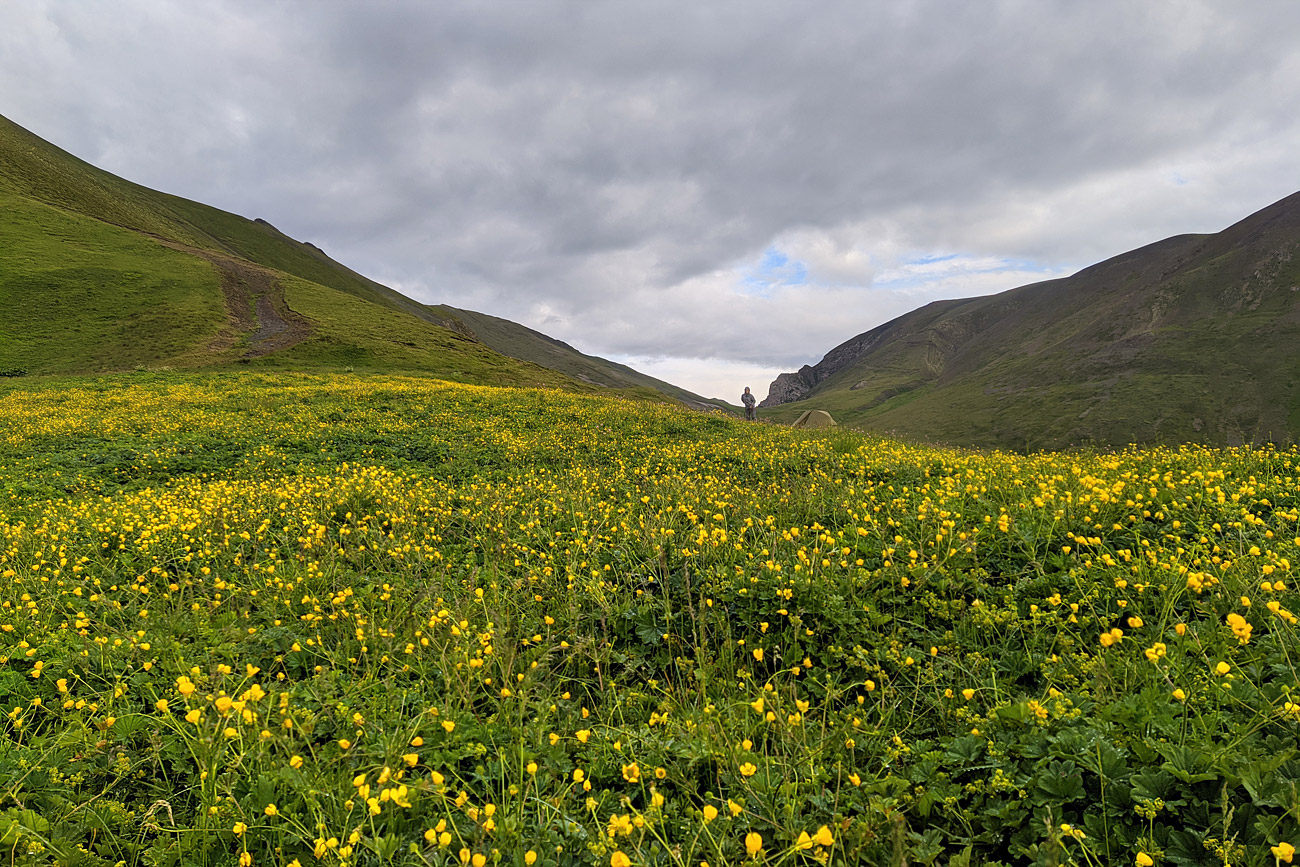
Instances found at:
x=714 y=192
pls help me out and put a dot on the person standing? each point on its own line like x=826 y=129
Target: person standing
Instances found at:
x=751 y=414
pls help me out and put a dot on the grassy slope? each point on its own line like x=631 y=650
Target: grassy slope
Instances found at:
x=82 y=295
x=83 y=243
x=1191 y=339
x=353 y=333
x=36 y=169
x=87 y=285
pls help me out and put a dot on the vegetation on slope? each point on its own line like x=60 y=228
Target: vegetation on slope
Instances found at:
x=31 y=168
x=100 y=274
x=304 y=619
x=1192 y=339
x=349 y=332
x=82 y=295
x=97 y=273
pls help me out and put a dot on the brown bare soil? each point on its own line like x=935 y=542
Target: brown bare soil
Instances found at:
x=255 y=306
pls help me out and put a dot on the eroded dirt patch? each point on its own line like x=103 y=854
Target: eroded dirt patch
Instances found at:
x=256 y=309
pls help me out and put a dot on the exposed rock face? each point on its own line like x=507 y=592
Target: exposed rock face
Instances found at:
x=787 y=388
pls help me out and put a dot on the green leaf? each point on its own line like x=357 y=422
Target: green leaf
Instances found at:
x=1104 y=760
x=965 y=751
x=962 y=858
x=1061 y=782
x=14 y=822
x=1152 y=783
x=1185 y=848
x=1013 y=712
x=1189 y=765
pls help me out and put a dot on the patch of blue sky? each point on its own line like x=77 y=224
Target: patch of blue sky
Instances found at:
x=775 y=270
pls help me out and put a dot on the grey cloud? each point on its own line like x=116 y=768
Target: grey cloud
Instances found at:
x=605 y=166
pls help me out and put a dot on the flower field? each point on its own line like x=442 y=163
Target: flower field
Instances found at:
x=301 y=620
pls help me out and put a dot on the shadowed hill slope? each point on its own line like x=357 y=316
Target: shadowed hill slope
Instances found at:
x=1194 y=338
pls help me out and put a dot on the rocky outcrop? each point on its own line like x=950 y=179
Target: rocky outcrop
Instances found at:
x=788 y=387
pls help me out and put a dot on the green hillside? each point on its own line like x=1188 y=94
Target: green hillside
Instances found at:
x=82 y=295
x=1192 y=339
x=99 y=274
x=32 y=168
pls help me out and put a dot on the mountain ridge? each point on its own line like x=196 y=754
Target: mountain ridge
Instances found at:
x=1168 y=325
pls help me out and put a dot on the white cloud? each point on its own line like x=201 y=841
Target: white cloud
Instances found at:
x=708 y=377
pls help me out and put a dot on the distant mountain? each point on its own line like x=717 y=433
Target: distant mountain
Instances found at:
x=100 y=274
x=1192 y=339
x=518 y=341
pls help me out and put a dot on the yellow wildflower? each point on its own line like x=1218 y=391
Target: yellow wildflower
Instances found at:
x=1240 y=627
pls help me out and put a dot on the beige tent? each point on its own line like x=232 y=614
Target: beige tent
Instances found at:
x=814 y=418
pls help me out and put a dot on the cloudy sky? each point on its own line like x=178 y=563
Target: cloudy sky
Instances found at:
x=713 y=192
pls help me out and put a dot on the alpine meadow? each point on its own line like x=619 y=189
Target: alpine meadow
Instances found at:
x=342 y=619
x=298 y=571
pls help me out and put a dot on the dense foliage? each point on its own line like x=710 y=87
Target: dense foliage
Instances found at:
x=310 y=620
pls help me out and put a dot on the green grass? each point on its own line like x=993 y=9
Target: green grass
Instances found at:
x=88 y=286
x=34 y=169
x=516 y=341
x=82 y=295
x=351 y=332
x=270 y=617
